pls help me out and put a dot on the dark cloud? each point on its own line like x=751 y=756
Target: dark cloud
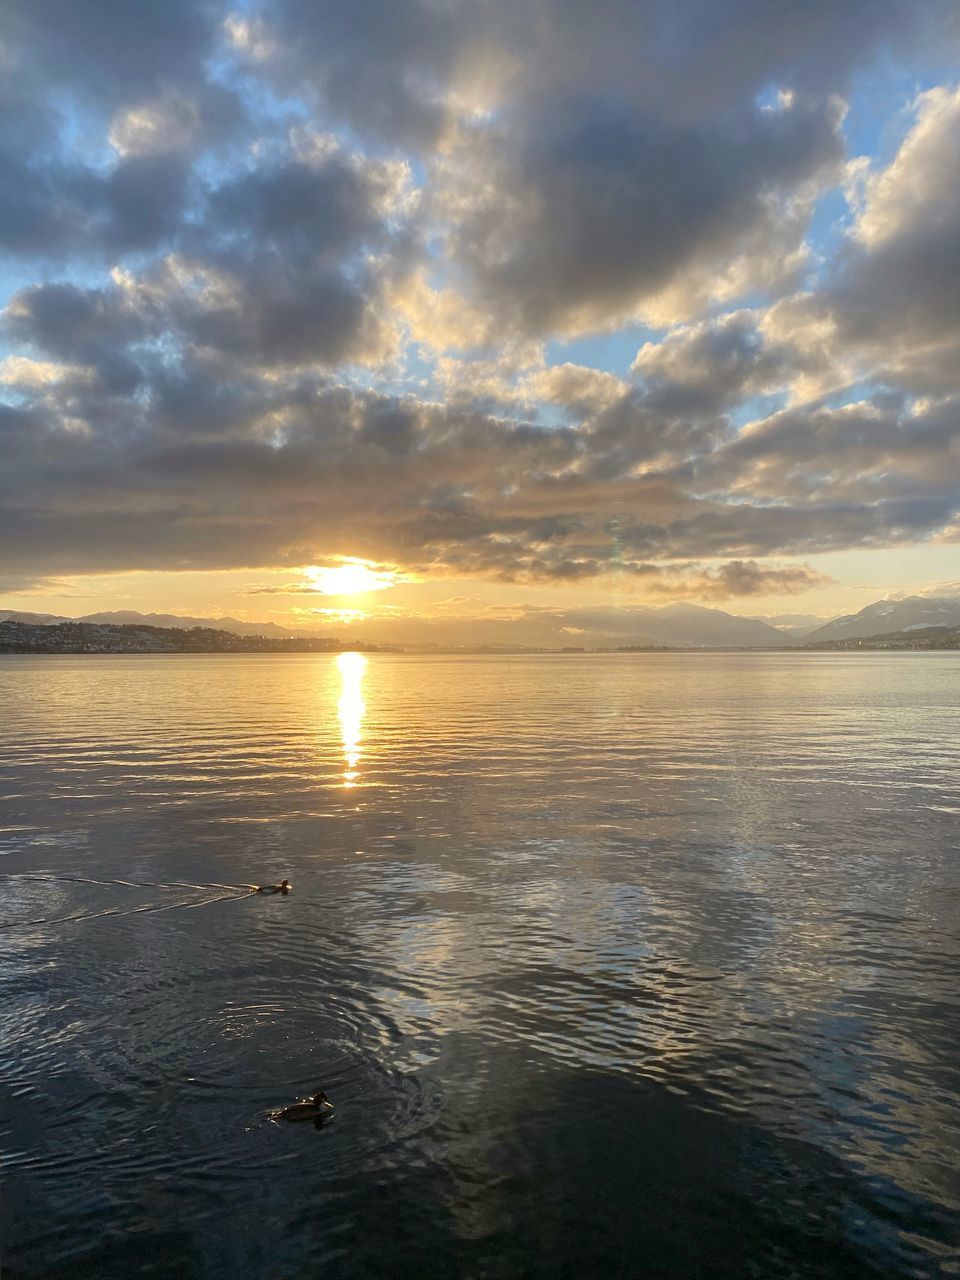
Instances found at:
x=863 y=450
x=607 y=208
x=142 y=199
x=280 y=316
x=70 y=70
x=380 y=64
x=571 y=206
x=89 y=327
x=749 y=529
x=303 y=210
x=700 y=58
x=110 y=50
x=78 y=77
x=52 y=209
x=398 y=68
x=274 y=278
x=52 y=206
x=299 y=469
x=709 y=367
x=747 y=578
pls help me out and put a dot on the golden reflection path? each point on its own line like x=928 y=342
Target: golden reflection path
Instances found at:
x=351 y=709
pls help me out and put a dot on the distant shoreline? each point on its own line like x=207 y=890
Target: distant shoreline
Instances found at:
x=188 y=645
x=91 y=639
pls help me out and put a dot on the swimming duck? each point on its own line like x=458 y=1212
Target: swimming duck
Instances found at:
x=283 y=887
x=316 y=1108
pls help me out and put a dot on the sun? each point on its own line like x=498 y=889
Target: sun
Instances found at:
x=351 y=578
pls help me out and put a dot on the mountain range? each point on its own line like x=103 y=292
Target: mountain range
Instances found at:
x=130 y=618
x=674 y=625
x=885 y=616
x=683 y=625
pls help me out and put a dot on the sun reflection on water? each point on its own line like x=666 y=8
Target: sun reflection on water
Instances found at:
x=351 y=709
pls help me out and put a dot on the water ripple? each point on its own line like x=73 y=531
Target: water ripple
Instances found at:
x=613 y=962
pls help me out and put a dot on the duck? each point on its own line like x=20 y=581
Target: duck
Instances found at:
x=316 y=1108
x=283 y=887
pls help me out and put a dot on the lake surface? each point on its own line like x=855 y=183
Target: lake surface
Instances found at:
x=639 y=965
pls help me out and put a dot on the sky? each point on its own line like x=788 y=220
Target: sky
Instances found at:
x=337 y=314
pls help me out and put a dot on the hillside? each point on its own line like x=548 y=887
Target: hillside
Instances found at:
x=885 y=617
x=89 y=637
x=684 y=626
x=694 y=626
x=131 y=618
x=918 y=638
x=677 y=626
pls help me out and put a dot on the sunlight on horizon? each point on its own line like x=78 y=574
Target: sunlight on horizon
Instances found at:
x=351 y=709
x=352 y=578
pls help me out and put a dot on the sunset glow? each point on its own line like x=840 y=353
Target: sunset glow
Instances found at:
x=351 y=578
x=470 y=307
x=480 y=635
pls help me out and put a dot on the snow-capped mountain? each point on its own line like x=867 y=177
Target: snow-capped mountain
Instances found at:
x=884 y=616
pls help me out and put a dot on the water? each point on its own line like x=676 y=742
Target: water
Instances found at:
x=614 y=966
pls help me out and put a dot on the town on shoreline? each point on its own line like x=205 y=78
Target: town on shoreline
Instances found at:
x=89 y=637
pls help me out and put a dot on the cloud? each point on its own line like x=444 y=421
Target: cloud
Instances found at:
x=866 y=451
x=563 y=207
x=712 y=365
x=217 y=470
x=175 y=121
x=106 y=71
x=583 y=391
x=304 y=277
x=913 y=192
x=747 y=578
x=895 y=302
x=279 y=275
x=108 y=50
x=57 y=209
x=587 y=213
x=312 y=210
x=375 y=62
x=408 y=71
x=734 y=580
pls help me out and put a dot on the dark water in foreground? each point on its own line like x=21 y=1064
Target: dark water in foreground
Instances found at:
x=627 y=966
